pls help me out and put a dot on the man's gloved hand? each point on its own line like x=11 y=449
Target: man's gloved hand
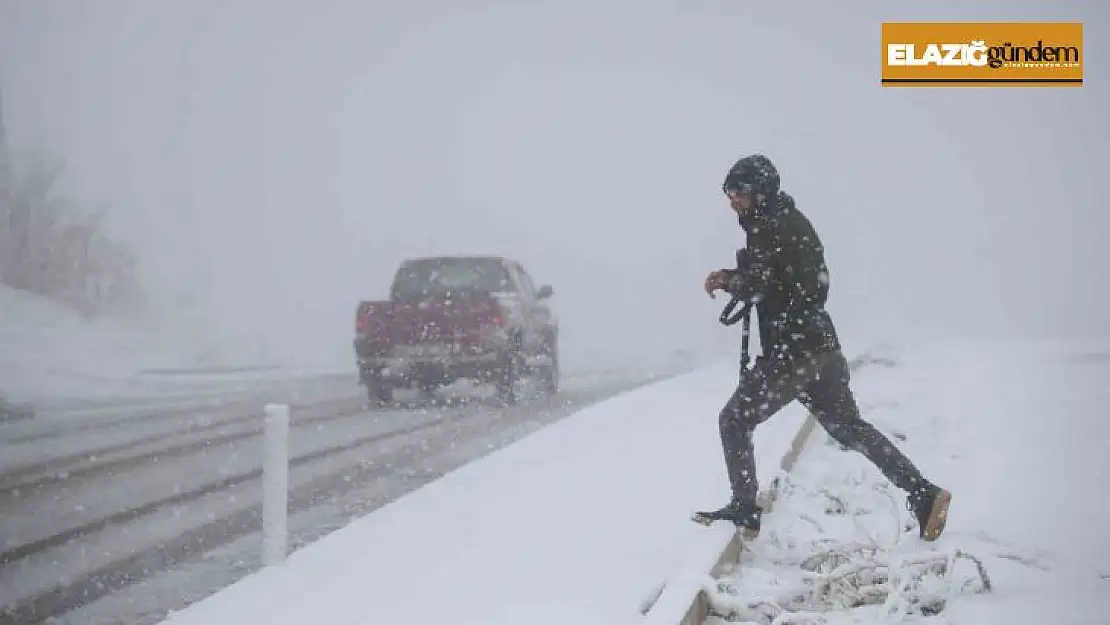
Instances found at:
x=716 y=281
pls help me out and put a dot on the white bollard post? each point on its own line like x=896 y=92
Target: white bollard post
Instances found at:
x=275 y=484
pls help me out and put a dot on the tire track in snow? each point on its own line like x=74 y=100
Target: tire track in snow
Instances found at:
x=127 y=455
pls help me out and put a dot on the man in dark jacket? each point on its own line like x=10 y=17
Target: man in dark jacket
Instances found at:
x=783 y=274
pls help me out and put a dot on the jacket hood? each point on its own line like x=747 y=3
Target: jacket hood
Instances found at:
x=756 y=174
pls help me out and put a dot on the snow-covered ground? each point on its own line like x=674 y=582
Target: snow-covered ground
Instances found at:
x=577 y=523
x=583 y=520
x=580 y=522
x=51 y=355
x=1018 y=433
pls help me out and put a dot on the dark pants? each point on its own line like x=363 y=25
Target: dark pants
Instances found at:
x=820 y=383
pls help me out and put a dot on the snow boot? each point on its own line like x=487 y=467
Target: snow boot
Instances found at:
x=929 y=505
x=745 y=516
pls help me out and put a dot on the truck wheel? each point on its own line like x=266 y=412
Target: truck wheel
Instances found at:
x=428 y=390
x=551 y=373
x=378 y=393
x=509 y=378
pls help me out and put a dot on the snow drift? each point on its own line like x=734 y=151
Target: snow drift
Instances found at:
x=50 y=353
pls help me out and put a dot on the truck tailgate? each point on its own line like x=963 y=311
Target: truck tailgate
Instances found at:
x=425 y=325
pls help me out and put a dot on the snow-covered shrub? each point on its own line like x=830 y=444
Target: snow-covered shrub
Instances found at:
x=51 y=246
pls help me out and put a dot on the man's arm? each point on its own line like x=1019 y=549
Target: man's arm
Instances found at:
x=750 y=280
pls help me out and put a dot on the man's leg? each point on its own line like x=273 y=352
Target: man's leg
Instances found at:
x=830 y=399
x=769 y=386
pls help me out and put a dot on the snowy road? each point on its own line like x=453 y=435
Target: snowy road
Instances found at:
x=100 y=503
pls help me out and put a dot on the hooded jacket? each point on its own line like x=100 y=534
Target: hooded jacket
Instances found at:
x=783 y=271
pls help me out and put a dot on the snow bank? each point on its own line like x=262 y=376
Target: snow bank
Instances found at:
x=1017 y=432
x=49 y=352
x=578 y=523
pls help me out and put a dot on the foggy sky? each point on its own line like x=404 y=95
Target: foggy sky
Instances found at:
x=273 y=160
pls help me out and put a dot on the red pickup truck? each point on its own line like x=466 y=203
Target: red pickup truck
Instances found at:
x=452 y=317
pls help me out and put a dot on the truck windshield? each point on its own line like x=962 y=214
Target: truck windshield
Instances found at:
x=449 y=276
